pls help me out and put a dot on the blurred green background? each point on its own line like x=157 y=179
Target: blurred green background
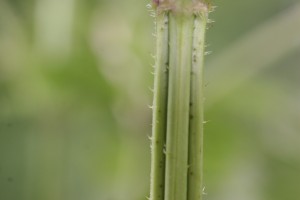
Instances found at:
x=74 y=95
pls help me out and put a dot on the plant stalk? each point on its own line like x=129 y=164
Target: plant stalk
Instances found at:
x=177 y=137
x=181 y=32
x=160 y=107
x=195 y=175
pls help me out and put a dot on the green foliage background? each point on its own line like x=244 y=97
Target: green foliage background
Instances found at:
x=74 y=90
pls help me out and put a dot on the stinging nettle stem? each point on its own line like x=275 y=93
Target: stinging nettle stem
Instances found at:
x=195 y=175
x=177 y=135
x=181 y=31
x=160 y=108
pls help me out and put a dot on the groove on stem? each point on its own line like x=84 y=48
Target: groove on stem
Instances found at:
x=195 y=174
x=178 y=101
x=160 y=108
x=181 y=34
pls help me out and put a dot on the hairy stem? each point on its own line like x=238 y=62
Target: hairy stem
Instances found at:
x=178 y=101
x=181 y=31
x=195 y=175
x=160 y=108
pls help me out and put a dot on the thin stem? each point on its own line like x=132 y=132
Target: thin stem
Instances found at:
x=160 y=108
x=181 y=32
x=195 y=175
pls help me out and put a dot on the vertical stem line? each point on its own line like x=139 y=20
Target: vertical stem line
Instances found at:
x=181 y=33
x=177 y=135
x=195 y=175
x=160 y=108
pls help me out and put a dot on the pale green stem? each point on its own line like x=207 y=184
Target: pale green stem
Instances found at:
x=178 y=101
x=195 y=175
x=160 y=108
x=181 y=34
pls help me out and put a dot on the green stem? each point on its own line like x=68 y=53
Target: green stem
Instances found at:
x=160 y=108
x=181 y=32
x=178 y=101
x=195 y=175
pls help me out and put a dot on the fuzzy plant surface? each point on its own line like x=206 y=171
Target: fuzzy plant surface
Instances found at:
x=177 y=135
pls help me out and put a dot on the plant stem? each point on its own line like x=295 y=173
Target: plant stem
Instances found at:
x=181 y=31
x=160 y=108
x=195 y=175
x=178 y=101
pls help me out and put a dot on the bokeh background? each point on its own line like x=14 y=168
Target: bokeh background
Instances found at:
x=75 y=85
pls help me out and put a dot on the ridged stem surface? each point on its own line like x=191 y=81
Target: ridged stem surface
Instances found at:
x=160 y=108
x=181 y=34
x=195 y=175
x=177 y=137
